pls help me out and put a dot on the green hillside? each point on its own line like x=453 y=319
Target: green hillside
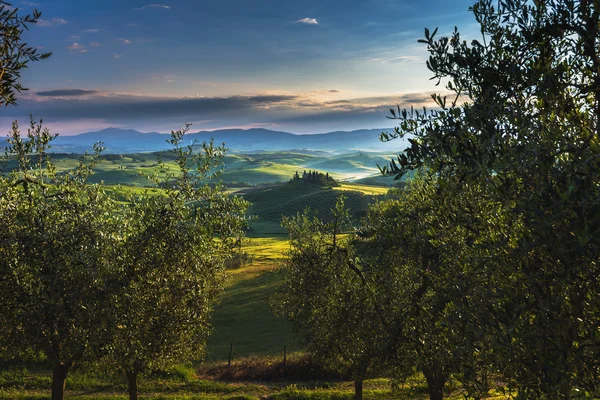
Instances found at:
x=239 y=169
x=270 y=204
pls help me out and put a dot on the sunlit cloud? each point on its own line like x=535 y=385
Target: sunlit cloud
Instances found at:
x=122 y=40
x=308 y=21
x=51 y=22
x=77 y=48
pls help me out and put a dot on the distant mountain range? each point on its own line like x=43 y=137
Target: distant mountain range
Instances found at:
x=131 y=141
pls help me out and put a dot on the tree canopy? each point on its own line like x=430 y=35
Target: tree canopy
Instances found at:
x=486 y=267
x=522 y=125
x=15 y=54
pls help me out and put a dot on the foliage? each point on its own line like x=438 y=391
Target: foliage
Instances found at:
x=14 y=53
x=172 y=263
x=527 y=135
x=431 y=285
x=57 y=246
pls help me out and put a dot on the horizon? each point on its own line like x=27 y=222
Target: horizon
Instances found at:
x=193 y=131
x=305 y=68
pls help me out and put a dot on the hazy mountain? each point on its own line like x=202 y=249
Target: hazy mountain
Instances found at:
x=131 y=141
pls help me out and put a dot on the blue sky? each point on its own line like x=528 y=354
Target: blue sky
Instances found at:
x=298 y=66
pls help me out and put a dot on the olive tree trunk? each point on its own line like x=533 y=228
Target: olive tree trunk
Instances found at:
x=435 y=382
x=59 y=381
x=132 y=385
x=358 y=389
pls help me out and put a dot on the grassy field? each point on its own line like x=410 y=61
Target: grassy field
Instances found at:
x=185 y=384
x=244 y=318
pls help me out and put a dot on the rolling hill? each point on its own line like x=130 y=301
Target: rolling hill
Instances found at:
x=240 y=169
x=270 y=204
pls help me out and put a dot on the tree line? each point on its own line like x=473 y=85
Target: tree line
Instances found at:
x=484 y=269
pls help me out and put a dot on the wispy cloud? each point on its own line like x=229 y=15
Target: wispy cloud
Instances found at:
x=308 y=21
x=92 y=30
x=51 y=22
x=398 y=59
x=77 y=48
x=95 y=44
x=126 y=41
x=117 y=55
x=154 y=6
x=333 y=91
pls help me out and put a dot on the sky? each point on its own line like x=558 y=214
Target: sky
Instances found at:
x=304 y=66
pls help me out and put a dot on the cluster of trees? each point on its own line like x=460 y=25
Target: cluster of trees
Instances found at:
x=88 y=278
x=315 y=177
x=485 y=268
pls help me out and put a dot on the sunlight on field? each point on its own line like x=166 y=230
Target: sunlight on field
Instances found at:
x=365 y=189
x=267 y=251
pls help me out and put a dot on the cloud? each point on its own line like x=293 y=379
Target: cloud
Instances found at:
x=66 y=93
x=308 y=21
x=154 y=6
x=300 y=113
x=77 y=48
x=95 y=44
x=117 y=55
x=126 y=41
x=92 y=30
x=333 y=91
x=51 y=22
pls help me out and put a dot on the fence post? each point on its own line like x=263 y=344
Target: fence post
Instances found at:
x=285 y=361
x=230 y=354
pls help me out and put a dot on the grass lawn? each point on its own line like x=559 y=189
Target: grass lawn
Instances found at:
x=244 y=317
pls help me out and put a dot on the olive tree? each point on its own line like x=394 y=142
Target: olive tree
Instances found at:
x=171 y=265
x=429 y=282
x=58 y=238
x=523 y=125
x=326 y=298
